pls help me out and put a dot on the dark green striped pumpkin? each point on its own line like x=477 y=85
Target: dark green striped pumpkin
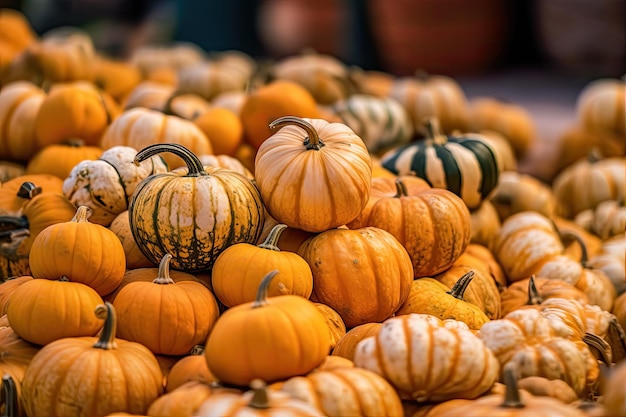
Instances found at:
x=382 y=122
x=467 y=166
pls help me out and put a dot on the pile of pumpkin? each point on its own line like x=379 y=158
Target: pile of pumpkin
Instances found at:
x=188 y=234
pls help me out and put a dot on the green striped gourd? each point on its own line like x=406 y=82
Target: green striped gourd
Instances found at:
x=382 y=122
x=466 y=166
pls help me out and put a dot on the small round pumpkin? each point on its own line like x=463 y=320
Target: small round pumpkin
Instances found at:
x=134 y=257
x=601 y=105
x=192 y=367
x=336 y=326
x=243 y=343
x=60 y=159
x=346 y=346
x=224 y=129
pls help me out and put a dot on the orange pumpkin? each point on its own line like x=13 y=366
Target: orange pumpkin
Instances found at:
x=224 y=129
x=8 y=287
x=17 y=191
x=192 y=367
x=601 y=106
x=59 y=159
x=116 y=77
x=15 y=354
x=313 y=175
x=346 y=346
x=336 y=326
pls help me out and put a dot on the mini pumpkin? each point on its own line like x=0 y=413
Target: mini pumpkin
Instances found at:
x=600 y=105
x=224 y=129
x=346 y=346
x=192 y=367
x=517 y=192
x=60 y=159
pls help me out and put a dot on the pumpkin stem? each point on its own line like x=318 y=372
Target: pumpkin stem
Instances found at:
x=599 y=346
x=106 y=340
x=584 y=254
x=163 y=277
x=168 y=110
x=74 y=142
x=401 y=190
x=28 y=190
x=595 y=155
x=82 y=214
x=433 y=131
x=194 y=165
x=459 y=287
x=512 y=397
x=9 y=396
x=312 y=140
x=534 y=298
x=259 y=398
x=617 y=340
x=197 y=350
x=271 y=241
x=261 y=294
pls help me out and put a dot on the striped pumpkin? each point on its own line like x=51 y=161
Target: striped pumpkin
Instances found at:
x=193 y=213
x=382 y=122
x=466 y=166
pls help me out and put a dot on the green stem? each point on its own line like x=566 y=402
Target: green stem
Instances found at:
x=261 y=294
x=271 y=241
x=106 y=340
x=459 y=287
x=164 y=277
x=312 y=140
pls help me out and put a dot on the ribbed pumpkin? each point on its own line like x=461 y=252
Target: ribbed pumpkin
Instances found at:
x=364 y=274
x=601 y=106
x=181 y=313
x=193 y=213
x=16 y=192
x=115 y=76
x=192 y=367
x=150 y=95
x=518 y=192
x=80 y=375
x=59 y=159
x=382 y=122
x=239 y=285
x=346 y=346
x=243 y=343
x=313 y=175
x=134 y=257
x=97 y=256
x=223 y=127
x=466 y=166
x=8 y=287
x=41 y=310
x=19 y=103
x=15 y=354
x=226 y=161
x=210 y=78
x=428 y=359
x=141 y=127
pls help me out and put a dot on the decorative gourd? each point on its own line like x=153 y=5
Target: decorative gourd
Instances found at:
x=466 y=166
x=139 y=128
x=526 y=338
x=77 y=110
x=272 y=101
x=19 y=103
x=428 y=359
x=243 y=343
x=223 y=127
x=438 y=96
x=601 y=105
x=106 y=184
x=150 y=95
x=501 y=146
x=608 y=219
x=181 y=313
x=193 y=213
x=313 y=175
x=346 y=391
x=336 y=326
x=59 y=160
x=116 y=77
x=186 y=106
x=192 y=367
x=479 y=255
x=512 y=404
x=588 y=182
x=517 y=192
x=226 y=161
x=612 y=261
x=257 y=402
x=183 y=401
x=239 y=285
x=485 y=225
x=174 y=55
x=510 y=119
x=134 y=257
x=346 y=346
x=210 y=78
x=43 y=310
x=71 y=371
x=382 y=122
x=429 y=296
x=97 y=254
x=364 y=274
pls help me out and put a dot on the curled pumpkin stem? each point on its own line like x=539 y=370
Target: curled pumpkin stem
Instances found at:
x=312 y=140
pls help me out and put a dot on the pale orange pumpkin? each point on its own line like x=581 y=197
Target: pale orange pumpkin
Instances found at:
x=601 y=106
x=346 y=346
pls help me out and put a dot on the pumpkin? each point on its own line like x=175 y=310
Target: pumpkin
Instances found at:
x=106 y=184
x=226 y=161
x=20 y=102
x=588 y=182
x=345 y=391
x=613 y=397
x=608 y=219
x=346 y=346
x=116 y=77
x=223 y=127
x=15 y=355
x=186 y=106
x=243 y=343
x=466 y=166
x=272 y=101
x=429 y=296
x=512 y=404
x=485 y=225
x=192 y=367
x=370 y=82
x=479 y=255
x=175 y=326
x=10 y=170
x=526 y=338
x=364 y=274
x=193 y=213
x=429 y=359
x=183 y=401
x=210 y=78
x=289 y=240
x=77 y=110
x=72 y=372
x=382 y=122
x=425 y=96
x=517 y=192
x=134 y=257
x=239 y=286
x=502 y=147
x=600 y=106
x=612 y=261
x=511 y=120
x=313 y=175
x=69 y=312
x=336 y=326
x=619 y=310
x=139 y=127
x=17 y=191
x=97 y=254
x=16 y=28
x=59 y=160
x=257 y=402
x=150 y=95
x=8 y=287
x=174 y=55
